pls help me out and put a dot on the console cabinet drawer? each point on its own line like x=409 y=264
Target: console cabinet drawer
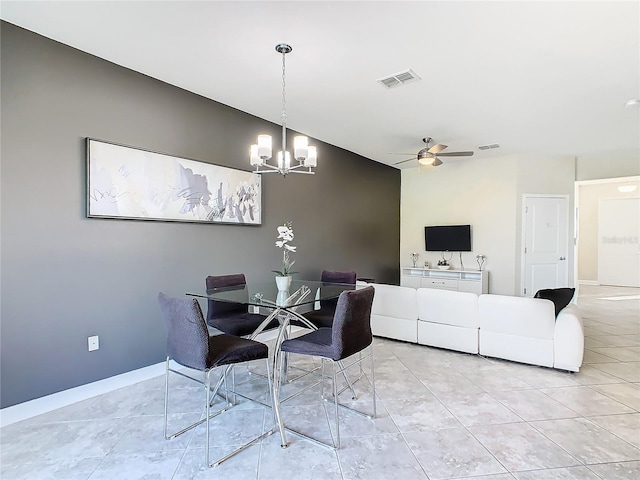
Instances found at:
x=445 y=283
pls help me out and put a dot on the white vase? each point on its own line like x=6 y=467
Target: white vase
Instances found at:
x=283 y=283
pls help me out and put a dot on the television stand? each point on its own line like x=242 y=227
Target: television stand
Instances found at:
x=474 y=281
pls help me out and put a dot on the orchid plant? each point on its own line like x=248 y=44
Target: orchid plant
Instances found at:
x=285 y=235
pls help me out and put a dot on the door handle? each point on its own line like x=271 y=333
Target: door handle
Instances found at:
x=562 y=258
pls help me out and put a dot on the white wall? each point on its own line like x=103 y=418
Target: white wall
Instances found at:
x=486 y=193
x=479 y=192
x=613 y=165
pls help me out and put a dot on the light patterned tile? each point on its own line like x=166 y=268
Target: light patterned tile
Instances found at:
x=57 y=442
x=591 y=357
x=68 y=470
x=418 y=414
x=301 y=459
x=627 y=427
x=617 y=471
x=243 y=466
x=624 y=354
x=586 y=401
x=587 y=441
x=156 y=466
x=590 y=375
x=478 y=409
x=627 y=371
x=518 y=446
x=625 y=393
x=534 y=405
x=451 y=453
x=378 y=457
x=568 y=473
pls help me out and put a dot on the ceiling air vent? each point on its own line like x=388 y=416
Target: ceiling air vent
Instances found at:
x=400 y=78
x=489 y=146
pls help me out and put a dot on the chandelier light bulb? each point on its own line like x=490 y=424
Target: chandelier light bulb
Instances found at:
x=264 y=146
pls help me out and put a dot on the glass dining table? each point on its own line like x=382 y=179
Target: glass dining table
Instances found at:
x=283 y=305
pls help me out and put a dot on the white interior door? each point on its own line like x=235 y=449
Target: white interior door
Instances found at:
x=546 y=242
x=619 y=242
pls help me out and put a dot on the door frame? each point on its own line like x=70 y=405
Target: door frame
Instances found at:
x=523 y=230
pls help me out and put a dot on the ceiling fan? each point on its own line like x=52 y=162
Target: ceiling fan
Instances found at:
x=430 y=153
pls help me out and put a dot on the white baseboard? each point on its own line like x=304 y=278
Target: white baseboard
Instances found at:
x=588 y=282
x=41 y=405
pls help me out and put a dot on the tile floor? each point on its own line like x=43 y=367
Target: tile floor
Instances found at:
x=441 y=415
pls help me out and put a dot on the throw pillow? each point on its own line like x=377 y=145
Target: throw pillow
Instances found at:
x=559 y=296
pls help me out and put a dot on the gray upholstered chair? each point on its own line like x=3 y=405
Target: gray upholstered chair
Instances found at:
x=232 y=318
x=190 y=345
x=323 y=317
x=349 y=335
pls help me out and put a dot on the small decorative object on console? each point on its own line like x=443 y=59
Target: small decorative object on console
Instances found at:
x=480 y=259
x=443 y=264
x=414 y=258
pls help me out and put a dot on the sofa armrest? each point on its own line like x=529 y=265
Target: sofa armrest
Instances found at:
x=568 y=339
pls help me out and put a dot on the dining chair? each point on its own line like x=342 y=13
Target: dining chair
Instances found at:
x=190 y=345
x=323 y=317
x=349 y=335
x=232 y=318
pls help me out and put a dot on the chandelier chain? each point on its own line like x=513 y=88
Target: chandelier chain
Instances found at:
x=284 y=106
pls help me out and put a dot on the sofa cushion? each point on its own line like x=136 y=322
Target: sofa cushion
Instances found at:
x=394 y=301
x=448 y=307
x=394 y=313
x=518 y=316
x=559 y=296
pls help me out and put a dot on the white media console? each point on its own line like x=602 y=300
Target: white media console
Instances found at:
x=473 y=281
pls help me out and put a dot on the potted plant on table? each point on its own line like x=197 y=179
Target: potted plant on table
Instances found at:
x=283 y=276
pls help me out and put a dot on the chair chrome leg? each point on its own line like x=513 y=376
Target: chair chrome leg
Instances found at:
x=373 y=383
x=346 y=377
x=335 y=400
x=166 y=396
x=207 y=385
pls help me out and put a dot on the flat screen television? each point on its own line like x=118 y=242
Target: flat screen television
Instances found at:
x=447 y=238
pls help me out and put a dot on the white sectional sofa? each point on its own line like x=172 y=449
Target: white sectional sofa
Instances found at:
x=521 y=329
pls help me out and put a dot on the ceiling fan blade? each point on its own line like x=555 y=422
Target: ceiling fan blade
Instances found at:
x=403 y=161
x=438 y=147
x=437 y=162
x=456 y=154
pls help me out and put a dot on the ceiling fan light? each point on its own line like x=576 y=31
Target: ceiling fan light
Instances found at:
x=426 y=161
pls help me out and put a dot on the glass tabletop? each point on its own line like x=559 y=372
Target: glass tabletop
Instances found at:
x=301 y=292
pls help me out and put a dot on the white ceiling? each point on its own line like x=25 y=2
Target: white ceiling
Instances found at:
x=538 y=78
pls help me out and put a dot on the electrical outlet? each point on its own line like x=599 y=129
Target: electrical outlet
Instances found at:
x=94 y=343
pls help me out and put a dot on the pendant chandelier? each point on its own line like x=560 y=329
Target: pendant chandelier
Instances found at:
x=304 y=154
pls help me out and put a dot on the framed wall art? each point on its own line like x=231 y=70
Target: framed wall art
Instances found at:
x=130 y=183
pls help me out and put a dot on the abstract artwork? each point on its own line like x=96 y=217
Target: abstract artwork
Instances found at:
x=125 y=182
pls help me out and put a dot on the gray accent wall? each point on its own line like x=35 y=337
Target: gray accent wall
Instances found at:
x=65 y=277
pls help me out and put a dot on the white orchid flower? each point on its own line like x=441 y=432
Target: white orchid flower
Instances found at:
x=285 y=233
